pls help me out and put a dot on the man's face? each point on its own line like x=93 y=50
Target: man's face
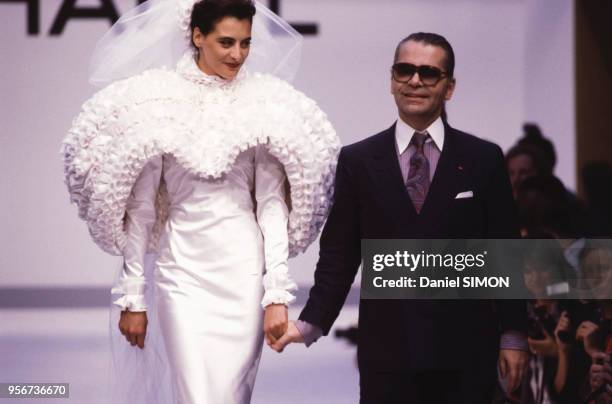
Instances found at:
x=416 y=102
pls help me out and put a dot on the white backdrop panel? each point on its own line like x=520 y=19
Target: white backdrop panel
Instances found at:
x=503 y=76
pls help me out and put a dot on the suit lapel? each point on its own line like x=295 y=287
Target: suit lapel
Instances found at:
x=447 y=179
x=386 y=172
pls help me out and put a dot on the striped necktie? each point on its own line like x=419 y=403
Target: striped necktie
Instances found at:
x=417 y=183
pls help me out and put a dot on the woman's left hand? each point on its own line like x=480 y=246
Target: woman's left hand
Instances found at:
x=276 y=319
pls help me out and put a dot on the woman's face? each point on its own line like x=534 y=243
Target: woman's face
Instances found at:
x=224 y=50
x=520 y=167
x=596 y=271
x=536 y=280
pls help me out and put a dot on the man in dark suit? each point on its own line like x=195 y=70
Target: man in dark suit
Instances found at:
x=419 y=179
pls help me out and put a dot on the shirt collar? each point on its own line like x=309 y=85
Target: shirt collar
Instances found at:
x=404 y=132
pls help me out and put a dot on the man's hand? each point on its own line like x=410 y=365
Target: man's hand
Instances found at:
x=134 y=326
x=292 y=335
x=587 y=332
x=275 y=322
x=512 y=364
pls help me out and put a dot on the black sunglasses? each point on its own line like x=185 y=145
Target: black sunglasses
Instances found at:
x=429 y=75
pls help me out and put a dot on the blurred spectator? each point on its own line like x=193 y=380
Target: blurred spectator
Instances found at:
x=544 y=267
x=600 y=379
x=534 y=155
x=596 y=271
x=545 y=205
x=533 y=137
x=524 y=162
x=596 y=333
x=546 y=378
x=570 y=340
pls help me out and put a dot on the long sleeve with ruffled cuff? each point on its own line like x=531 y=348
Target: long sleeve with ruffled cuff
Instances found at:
x=272 y=216
x=140 y=218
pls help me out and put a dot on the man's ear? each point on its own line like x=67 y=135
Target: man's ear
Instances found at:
x=450 y=89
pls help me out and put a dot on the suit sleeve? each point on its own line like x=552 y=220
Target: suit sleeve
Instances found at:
x=339 y=252
x=502 y=223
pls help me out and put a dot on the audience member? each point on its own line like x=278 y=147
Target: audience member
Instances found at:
x=596 y=334
x=524 y=162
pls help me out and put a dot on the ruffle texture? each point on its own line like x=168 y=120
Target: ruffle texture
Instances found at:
x=278 y=286
x=205 y=122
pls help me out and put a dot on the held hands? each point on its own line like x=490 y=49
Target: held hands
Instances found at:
x=292 y=335
x=279 y=332
x=134 y=326
x=275 y=322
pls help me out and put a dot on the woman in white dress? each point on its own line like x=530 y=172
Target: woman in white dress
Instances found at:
x=206 y=179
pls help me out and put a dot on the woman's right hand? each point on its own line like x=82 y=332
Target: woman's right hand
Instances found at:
x=134 y=326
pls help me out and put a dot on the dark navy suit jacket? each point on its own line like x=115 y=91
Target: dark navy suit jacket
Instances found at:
x=371 y=201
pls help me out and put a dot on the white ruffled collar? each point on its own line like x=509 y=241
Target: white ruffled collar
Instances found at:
x=188 y=68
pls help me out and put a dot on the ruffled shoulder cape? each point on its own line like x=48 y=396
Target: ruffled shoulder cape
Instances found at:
x=205 y=123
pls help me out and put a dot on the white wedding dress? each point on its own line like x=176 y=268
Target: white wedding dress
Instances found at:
x=206 y=188
x=219 y=236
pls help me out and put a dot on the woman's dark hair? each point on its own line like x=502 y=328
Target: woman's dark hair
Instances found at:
x=536 y=155
x=533 y=137
x=206 y=13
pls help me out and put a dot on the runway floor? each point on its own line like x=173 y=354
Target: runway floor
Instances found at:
x=72 y=346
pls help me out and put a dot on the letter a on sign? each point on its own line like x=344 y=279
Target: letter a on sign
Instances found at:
x=69 y=10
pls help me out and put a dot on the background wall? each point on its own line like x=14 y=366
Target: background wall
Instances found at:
x=514 y=63
x=593 y=82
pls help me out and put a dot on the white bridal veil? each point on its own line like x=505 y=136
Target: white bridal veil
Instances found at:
x=156 y=34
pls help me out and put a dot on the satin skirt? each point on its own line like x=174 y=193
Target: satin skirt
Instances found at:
x=208 y=302
x=204 y=337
